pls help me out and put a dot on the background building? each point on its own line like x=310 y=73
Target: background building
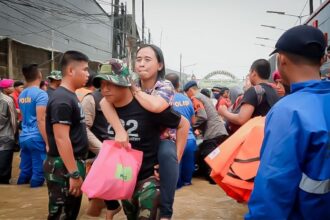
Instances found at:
x=39 y=31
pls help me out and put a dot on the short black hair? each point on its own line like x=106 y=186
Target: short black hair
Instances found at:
x=91 y=76
x=159 y=56
x=174 y=79
x=18 y=83
x=262 y=67
x=206 y=92
x=70 y=56
x=223 y=90
x=328 y=48
x=298 y=59
x=30 y=72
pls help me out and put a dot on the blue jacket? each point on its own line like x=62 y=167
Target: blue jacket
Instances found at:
x=293 y=180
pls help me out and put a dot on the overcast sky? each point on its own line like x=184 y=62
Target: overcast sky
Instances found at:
x=216 y=34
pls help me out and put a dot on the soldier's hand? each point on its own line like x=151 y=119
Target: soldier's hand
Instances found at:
x=122 y=139
x=75 y=186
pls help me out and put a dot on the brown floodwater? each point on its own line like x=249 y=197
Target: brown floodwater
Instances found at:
x=198 y=201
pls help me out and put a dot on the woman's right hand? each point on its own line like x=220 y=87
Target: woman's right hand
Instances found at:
x=122 y=138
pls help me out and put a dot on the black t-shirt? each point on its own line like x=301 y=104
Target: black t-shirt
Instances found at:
x=143 y=129
x=64 y=108
x=269 y=98
x=50 y=91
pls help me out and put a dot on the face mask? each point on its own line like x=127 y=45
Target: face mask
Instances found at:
x=216 y=95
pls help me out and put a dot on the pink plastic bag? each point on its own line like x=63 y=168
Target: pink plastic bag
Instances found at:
x=114 y=173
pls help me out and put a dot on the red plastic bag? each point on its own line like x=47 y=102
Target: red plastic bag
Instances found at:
x=114 y=173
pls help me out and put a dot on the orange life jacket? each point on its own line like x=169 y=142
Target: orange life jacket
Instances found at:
x=235 y=162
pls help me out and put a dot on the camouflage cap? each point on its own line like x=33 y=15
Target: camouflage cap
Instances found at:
x=115 y=72
x=55 y=74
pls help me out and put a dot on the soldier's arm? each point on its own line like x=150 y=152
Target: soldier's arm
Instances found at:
x=64 y=146
x=113 y=119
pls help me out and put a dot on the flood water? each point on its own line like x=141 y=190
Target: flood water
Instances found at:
x=198 y=201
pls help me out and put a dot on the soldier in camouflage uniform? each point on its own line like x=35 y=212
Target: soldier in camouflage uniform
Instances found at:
x=144 y=201
x=55 y=78
x=143 y=128
x=64 y=166
x=57 y=178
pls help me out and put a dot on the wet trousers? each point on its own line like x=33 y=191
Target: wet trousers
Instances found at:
x=33 y=153
x=62 y=205
x=145 y=201
x=6 y=160
x=187 y=164
x=169 y=174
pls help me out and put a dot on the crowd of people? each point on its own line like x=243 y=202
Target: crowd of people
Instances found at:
x=59 y=125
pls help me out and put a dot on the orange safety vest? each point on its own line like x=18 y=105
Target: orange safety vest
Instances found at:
x=235 y=162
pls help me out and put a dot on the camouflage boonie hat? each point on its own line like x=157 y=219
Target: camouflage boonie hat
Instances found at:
x=115 y=71
x=55 y=74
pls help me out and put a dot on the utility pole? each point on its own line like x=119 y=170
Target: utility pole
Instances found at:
x=180 y=66
x=125 y=30
x=112 y=28
x=143 y=21
x=53 y=61
x=311 y=7
x=134 y=47
x=122 y=34
x=160 y=41
x=133 y=19
x=149 y=36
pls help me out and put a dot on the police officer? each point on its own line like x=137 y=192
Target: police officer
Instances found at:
x=293 y=180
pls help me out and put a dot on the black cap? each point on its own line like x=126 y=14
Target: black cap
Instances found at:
x=18 y=83
x=303 y=40
x=189 y=84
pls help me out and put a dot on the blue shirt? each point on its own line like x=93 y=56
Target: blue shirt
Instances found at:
x=293 y=180
x=183 y=105
x=28 y=101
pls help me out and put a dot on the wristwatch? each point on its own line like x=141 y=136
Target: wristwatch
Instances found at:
x=74 y=175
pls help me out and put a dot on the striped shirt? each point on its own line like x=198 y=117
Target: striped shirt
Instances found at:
x=7 y=102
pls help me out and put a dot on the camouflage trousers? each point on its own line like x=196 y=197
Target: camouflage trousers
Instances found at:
x=144 y=204
x=62 y=205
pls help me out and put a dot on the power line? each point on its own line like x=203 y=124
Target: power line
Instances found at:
x=84 y=43
x=301 y=13
x=36 y=32
x=86 y=13
x=20 y=24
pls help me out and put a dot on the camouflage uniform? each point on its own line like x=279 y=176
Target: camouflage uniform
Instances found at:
x=58 y=189
x=145 y=201
x=55 y=74
x=115 y=73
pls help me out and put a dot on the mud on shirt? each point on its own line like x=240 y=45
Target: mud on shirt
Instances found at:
x=144 y=129
x=65 y=108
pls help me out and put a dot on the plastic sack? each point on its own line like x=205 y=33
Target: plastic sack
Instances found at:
x=114 y=173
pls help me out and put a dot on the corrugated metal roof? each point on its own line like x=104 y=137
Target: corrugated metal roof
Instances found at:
x=62 y=25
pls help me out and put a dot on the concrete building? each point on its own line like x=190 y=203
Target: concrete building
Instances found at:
x=41 y=30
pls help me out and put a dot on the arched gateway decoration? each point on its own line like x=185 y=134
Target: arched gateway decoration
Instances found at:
x=221 y=73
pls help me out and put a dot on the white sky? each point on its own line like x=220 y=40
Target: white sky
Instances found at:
x=216 y=34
